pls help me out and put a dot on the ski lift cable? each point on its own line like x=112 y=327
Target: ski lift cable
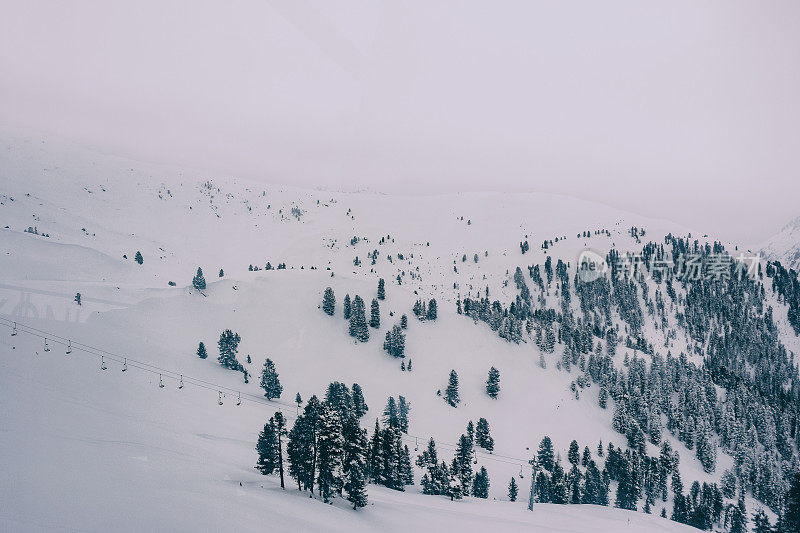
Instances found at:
x=127 y=362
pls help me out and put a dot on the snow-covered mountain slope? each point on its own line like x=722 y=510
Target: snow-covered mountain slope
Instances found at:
x=99 y=450
x=92 y=450
x=785 y=245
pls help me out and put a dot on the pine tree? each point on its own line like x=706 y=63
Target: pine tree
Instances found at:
x=347 y=307
x=462 y=462
x=228 y=346
x=493 y=383
x=482 y=436
x=359 y=405
x=573 y=455
x=513 y=489
x=381 y=290
x=627 y=491
x=603 y=398
x=269 y=381
x=375 y=455
x=267 y=447
x=403 y=408
x=406 y=470
x=375 y=315
x=432 y=312
x=404 y=321
x=395 y=342
x=558 y=485
x=221 y=273
x=329 y=302
x=78 y=298
x=354 y=466
x=451 y=393
x=198 y=281
x=738 y=514
x=329 y=454
x=546 y=456
x=279 y=427
x=302 y=446
x=138 y=258
x=791 y=514
x=480 y=485
x=201 y=351
x=454 y=486
x=761 y=522
x=391 y=416
x=358 y=320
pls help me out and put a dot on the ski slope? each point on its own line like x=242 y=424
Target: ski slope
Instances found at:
x=98 y=450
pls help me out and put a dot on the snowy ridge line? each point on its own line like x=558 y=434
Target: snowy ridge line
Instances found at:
x=18 y=327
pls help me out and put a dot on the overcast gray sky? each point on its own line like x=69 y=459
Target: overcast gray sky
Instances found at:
x=682 y=109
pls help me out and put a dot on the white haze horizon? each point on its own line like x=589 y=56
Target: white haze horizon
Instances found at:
x=680 y=111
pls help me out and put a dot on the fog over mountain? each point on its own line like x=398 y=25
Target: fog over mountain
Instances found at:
x=682 y=110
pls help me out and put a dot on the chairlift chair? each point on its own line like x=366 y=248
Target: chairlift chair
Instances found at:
x=219 y=401
x=14 y=331
x=69 y=347
x=160 y=382
x=180 y=385
x=46 y=347
x=125 y=365
x=239 y=399
x=103 y=363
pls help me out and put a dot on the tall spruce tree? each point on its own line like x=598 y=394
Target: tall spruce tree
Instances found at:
x=432 y=309
x=395 y=343
x=228 y=347
x=359 y=405
x=347 y=307
x=381 y=290
x=493 y=383
x=545 y=456
x=329 y=301
x=302 y=445
x=201 y=351
x=358 y=320
x=451 y=393
x=375 y=315
x=329 y=453
x=513 y=489
x=269 y=381
x=482 y=437
x=480 y=485
x=198 y=281
x=354 y=467
x=790 y=519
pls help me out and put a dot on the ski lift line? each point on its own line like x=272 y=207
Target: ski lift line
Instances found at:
x=146 y=367
x=127 y=363
x=117 y=357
